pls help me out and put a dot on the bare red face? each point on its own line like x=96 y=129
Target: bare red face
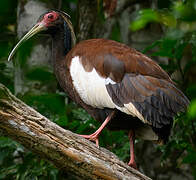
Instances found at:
x=50 y=17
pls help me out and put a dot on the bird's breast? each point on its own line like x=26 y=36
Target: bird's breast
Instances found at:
x=90 y=85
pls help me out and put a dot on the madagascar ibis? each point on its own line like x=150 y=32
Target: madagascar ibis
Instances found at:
x=115 y=84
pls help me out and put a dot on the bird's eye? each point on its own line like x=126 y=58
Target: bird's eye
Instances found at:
x=50 y=16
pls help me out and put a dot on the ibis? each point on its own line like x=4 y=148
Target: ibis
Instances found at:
x=117 y=85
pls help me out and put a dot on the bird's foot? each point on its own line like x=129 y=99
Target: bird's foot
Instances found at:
x=132 y=164
x=92 y=137
x=95 y=136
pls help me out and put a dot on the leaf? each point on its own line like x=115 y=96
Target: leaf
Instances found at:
x=191 y=91
x=192 y=41
x=115 y=35
x=146 y=16
x=153 y=45
x=190 y=158
x=192 y=109
x=24 y=52
x=4 y=49
x=40 y=74
x=179 y=49
x=185 y=11
x=62 y=121
x=6 y=142
x=48 y=104
x=167 y=19
x=166 y=48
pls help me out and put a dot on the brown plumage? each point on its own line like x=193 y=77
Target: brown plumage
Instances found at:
x=114 y=83
x=96 y=53
x=139 y=80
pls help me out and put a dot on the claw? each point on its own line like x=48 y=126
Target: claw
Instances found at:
x=93 y=137
x=132 y=164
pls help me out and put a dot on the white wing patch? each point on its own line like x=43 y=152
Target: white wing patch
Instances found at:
x=90 y=86
x=92 y=89
x=130 y=109
x=109 y=81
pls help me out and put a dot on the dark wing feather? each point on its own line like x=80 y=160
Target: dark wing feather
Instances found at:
x=157 y=100
x=139 y=80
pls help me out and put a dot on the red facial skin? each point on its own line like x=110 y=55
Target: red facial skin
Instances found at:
x=49 y=18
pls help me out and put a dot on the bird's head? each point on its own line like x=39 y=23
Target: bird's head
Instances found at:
x=49 y=23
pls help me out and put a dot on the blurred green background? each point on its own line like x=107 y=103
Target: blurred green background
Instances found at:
x=175 y=50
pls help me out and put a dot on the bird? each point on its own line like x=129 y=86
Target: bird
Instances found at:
x=116 y=84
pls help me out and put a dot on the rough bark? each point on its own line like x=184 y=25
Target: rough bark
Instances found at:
x=87 y=16
x=66 y=150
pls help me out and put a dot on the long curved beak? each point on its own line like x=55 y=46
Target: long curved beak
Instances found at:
x=34 y=30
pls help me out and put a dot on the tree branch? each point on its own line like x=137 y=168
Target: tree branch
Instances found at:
x=64 y=149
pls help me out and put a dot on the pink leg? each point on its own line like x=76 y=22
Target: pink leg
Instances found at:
x=132 y=155
x=95 y=135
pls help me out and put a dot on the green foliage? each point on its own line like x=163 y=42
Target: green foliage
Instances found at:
x=115 y=35
x=176 y=14
x=40 y=74
x=192 y=110
x=6 y=40
x=150 y=15
x=17 y=164
x=178 y=45
x=24 y=52
x=185 y=11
